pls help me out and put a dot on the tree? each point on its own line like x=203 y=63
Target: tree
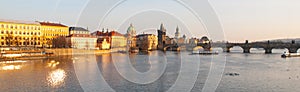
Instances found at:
x=9 y=38
x=59 y=42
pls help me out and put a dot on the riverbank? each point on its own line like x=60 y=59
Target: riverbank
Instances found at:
x=70 y=51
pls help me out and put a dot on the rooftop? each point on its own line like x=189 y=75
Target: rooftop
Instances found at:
x=112 y=33
x=52 y=24
x=19 y=22
x=77 y=29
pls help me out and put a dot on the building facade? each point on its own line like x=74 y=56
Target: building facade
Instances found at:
x=147 y=42
x=20 y=33
x=115 y=39
x=52 y=30
x=82 y=41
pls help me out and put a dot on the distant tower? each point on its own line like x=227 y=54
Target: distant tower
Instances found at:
x=161 y=35
x=177 y=33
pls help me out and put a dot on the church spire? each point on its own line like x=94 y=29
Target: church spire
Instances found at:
x=162 y=28
x=177 y=32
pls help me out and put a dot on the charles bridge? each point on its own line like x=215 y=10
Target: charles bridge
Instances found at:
x=267 y=46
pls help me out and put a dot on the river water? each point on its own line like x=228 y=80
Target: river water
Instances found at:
x=225 y=72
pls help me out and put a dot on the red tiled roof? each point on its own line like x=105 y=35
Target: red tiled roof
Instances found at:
x=52 y=24
x=112 y=33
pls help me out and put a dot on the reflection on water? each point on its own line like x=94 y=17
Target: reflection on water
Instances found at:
x=257 y=72
x=11 y=65
x=50 y=74
x=52 y=64
x=56 y=77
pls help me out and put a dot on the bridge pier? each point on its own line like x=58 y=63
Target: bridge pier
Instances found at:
x=226 y=49
x=268 y=50
x=246 y=50
x=293 y=50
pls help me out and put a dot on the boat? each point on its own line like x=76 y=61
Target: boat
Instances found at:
x=285 y=55
x=205 y=53
x=19 y=54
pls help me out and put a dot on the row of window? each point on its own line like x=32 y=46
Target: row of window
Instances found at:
x=20 y=32
x=20 y=43
x=20 y=38
x=29 y=33
x=79 y=32
x=55 y=34
x=55 y=30
x=20 y=27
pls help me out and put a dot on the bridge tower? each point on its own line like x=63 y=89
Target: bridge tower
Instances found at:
x=161 y=35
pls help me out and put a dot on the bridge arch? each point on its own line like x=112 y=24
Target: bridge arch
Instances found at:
x=236 y=48
x=280 y=50
x=258 y=50
x=293 y=49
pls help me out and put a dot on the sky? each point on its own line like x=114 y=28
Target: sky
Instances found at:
x=239 y=20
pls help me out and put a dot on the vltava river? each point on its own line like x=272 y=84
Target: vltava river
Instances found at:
x=163 y=71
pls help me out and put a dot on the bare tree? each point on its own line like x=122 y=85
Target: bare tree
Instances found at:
x=59 y=42
x=9 y=38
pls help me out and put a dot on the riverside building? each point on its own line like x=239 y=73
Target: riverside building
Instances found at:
x=16 y=33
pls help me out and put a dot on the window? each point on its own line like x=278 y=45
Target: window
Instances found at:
x=2 y=26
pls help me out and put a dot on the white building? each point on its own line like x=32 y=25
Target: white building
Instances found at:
x=80 y=38
x=78 y=30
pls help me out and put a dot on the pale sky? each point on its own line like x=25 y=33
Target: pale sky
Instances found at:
x=241 y=19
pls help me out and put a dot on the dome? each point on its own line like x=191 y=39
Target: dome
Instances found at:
x=131 y=31
x=204 y=38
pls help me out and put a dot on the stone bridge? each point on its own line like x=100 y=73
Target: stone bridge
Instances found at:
x=267 y=46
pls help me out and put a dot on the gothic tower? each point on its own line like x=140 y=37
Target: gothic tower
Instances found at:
x=177 y=33
x=161 y=35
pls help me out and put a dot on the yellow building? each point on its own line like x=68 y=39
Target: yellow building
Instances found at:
x=20 y=33
x=147 y=42
x=51 y=31
x=15 y=33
